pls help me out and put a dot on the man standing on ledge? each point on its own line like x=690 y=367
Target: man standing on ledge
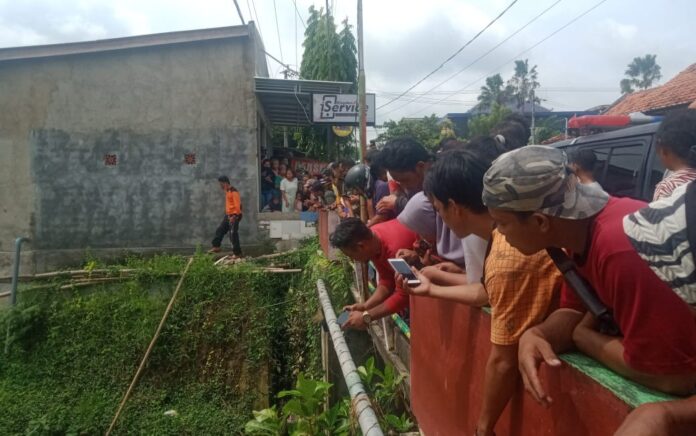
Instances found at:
x=230 y=223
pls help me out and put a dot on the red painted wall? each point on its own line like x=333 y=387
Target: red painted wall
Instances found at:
x=449 y=348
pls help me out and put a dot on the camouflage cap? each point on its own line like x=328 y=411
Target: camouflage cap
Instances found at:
x=536 y=178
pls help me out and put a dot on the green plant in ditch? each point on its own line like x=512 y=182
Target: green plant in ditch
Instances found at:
x=304 y=413
x=385 y=388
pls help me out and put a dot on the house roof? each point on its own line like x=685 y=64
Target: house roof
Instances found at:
x=679 y=91
x=103 y=45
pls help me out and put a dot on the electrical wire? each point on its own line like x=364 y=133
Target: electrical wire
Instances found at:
x=253 y=3
x=452 y=56
x=280 y=44
x=297 y=11
x=483 y=55
x=513 y=58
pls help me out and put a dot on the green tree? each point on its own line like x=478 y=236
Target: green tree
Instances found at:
x=641 y=74
x=483 y=124
x=523 y=83
x=426 y=130
x=494 y=91
x=330 y=56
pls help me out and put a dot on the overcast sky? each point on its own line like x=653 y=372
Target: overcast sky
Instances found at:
x=579 y=67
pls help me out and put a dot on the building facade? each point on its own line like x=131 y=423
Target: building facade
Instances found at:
x=116 y=144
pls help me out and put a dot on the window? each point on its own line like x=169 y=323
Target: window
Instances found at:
x=657 y=173
x=619 y=167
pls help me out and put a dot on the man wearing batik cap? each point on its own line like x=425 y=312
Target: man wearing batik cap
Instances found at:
x=538 y=203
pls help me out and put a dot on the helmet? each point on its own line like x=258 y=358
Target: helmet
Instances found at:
x=358 y=178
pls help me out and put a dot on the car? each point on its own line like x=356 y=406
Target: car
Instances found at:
x=627 y=164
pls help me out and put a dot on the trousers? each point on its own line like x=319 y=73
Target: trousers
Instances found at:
x=233 y=229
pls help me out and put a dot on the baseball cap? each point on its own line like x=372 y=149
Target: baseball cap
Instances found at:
x=536 y=178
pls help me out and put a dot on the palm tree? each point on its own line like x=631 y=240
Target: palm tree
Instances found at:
x=493 y=92
x=523 y=83
x=641 y=74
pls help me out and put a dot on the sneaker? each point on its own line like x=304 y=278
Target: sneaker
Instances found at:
x=215 y=250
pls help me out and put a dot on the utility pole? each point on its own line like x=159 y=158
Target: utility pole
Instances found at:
x=362 y=103
x=285 y=128
x=533 y=120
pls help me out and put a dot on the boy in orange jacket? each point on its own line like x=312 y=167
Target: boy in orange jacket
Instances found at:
x=230 y=223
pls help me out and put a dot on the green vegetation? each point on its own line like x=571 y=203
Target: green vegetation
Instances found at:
x=234 y=337
x=305 y=411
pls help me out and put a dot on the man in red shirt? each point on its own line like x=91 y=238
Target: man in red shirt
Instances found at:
x=538 y=203
x=377 y=244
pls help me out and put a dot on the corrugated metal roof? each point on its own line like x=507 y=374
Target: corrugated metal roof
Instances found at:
x=289 y=102
x=103 y=45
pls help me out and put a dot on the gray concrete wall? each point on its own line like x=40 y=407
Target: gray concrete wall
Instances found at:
x=60 y=116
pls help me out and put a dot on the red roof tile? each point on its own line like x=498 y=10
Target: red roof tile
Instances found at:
x=681 y=90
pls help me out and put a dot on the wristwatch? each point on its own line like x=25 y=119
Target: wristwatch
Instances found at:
x=367 y=319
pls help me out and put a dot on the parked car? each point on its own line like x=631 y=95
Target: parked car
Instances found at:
x=627 y=165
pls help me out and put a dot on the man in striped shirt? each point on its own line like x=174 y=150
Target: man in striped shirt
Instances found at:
x=676 y=148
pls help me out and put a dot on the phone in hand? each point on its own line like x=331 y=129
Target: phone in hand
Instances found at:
x=342 y=317
x=403 y=268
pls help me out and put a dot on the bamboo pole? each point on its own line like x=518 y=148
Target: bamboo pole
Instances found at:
x=167 y=311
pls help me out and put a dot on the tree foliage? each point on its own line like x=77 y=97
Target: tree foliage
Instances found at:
x=332 y=56
x=523 y=83
x=426 y=130
x=483 y=124
x=641 y=73
x=494 y=92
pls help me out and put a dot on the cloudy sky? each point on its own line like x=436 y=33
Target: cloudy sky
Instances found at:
x=579 y=67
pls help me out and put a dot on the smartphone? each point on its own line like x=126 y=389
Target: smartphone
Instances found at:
x=342 y=317
x=401 y=267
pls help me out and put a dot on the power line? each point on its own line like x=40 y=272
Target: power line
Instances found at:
x=239 y=11
x=486 y=53
x=453 y=55
x=515 y=57
x=280 y=45
x=253 y=3
x=297 y=11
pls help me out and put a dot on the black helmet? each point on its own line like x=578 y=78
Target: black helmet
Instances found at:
x=358 y=178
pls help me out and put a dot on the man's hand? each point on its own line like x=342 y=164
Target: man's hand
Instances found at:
x=422 y=290
x=232 y=219
x=360 y=307
x=409 y=256
x=386 y=204
x=355 y=321
x=533 y=351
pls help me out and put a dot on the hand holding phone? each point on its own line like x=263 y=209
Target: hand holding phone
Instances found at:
x=401 y=267
x=342 y=317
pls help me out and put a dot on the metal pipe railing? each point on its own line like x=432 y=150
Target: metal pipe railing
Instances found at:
x=15 y=270
x=369 y=424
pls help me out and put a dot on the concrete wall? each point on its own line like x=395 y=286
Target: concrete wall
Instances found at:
x=60 y=117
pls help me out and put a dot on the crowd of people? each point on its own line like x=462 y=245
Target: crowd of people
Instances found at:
x=562 y=264
x=285 y=190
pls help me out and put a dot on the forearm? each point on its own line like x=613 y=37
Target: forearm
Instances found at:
x=445 y=278
x=380 y=294
x=558 y=328
x=681 y=416
x=609 y=350
x=500 y=383
x=472 y=295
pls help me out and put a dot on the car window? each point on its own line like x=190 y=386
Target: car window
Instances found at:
x=618 y=168
x=657 y=173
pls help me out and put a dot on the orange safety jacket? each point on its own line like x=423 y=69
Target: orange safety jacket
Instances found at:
x=233 y=203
